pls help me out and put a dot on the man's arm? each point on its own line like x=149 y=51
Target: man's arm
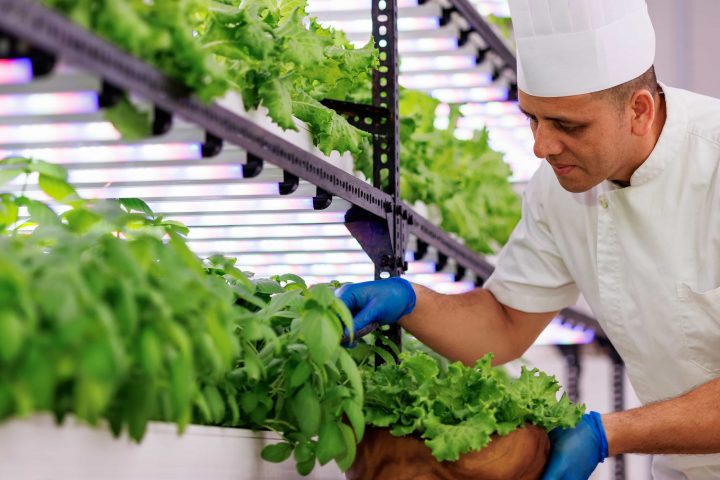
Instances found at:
x=689 y=424
x=467 y=326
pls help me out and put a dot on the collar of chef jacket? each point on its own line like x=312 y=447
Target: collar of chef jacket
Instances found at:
x=669 y=144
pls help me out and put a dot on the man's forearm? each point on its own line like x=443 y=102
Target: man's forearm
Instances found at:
x=467 y=326
x=689 y=424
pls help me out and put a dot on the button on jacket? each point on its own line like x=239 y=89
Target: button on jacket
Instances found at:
x=645 y=257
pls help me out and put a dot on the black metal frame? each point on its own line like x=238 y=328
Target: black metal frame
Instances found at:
x=478 y=24
x=493 y=43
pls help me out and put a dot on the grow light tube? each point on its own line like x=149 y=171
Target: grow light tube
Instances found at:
x=317 y=6
x=488 y=108
x=269 y=231
x=181 y=191
x=201 y=206
x=506 y=121
x=111 y=153
x=476 y=94
x=405 y=24
x=249 y=260
x=155 y=174
x=557 y=333
x=231 y=205
x=302 y=258
x=321 y=269
x=331 y=269
x=275 y=245
x=58 y=132
x=445 y=80
x=317 y=279
x=415 y=45
x=260 y=218
x=441 y=62
x=452 y=288
x=15 y=71
x=48 y=103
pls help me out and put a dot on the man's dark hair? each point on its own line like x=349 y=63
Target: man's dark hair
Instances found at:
x=622 y=93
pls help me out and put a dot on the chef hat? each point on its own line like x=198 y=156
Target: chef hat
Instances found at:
x=571 y=47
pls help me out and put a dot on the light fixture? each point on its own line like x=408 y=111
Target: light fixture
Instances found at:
x=14 y=71
x=65 y=103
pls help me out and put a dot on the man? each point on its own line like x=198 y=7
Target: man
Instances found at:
x=626 y=210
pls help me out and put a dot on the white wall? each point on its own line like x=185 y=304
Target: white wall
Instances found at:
x=687 y=39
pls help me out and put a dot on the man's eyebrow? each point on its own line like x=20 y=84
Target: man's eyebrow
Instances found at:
x=554 y=119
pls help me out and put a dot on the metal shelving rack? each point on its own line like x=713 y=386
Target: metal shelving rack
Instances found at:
x=383 y=224
x=393 y=221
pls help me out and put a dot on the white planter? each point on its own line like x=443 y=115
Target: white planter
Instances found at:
x=38 y=449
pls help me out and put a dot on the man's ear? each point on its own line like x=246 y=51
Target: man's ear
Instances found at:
x=644 y=109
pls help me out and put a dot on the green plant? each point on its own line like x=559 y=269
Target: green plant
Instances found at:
x=465 y=180
x=457 y=410
x=106 y=314
x=293 y=377
x=266 y=50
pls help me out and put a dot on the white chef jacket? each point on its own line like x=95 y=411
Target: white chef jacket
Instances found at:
x=645 y=257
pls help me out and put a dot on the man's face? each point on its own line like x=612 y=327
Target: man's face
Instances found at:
x=585 y=138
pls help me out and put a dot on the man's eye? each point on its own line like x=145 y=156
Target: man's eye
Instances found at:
x=568 y=128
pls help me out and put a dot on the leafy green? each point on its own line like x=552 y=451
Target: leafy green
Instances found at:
x=457 y=410
x=266 y=50
x=129 y=120
x=91 y=324
x=465 y=180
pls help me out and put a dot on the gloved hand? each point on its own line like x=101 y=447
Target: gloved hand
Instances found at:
x=577 y=451
x=381 y=301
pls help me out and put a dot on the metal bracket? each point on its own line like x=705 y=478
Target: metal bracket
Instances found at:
x=481 y=56
x=253 y=166
x=512 y=95
x=441 y=263
x=289 y=184
x=460 y=272
x=367 y=118
x=212 y=145
x=109 y=95
x=421 y=249
x=322 y=199
x=446 y=16
x=162 y=121
x=371 y=232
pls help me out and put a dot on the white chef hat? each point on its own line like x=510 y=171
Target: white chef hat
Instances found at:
x=571 y=47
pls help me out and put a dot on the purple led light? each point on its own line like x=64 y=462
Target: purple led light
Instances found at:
x=15 y=71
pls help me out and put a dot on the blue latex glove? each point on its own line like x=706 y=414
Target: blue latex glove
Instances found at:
x=577 y=451
x=382 y=301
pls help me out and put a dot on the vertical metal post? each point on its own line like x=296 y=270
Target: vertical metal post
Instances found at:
x=618 y=386
x=618 y=381
x=571 y=353
x=386 y=160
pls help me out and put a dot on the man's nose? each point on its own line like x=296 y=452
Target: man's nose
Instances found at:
x=546 y=142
